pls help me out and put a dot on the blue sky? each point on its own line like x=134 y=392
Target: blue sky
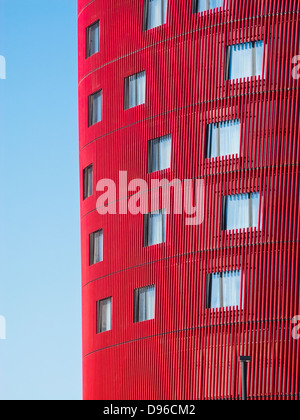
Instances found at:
x=40 y=293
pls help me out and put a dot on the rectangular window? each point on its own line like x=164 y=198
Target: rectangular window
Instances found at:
x=155 y=228
x=203 y=5
x=88 y=182
x=92 y=39
x=135 y=87
x=240 y=211
x=104 y=315
x=95 y=108
x=223 y=290
x=159 y=154
x=155 y=13
x=144 y=304
x=223 y=139
x=96 y=247
x=245 y=60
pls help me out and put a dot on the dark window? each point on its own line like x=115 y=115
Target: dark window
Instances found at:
x=104 y=315
x=240 y=211
x=155 y=13
x=135 y=90
x=203 y=5
x=96 y=247
x=155 y=228
x=223 y=290
x=88 y=182
x=92 y=39
x=223 y=139
x=144 y=304
x=244 y=60
x=159 y=154
x=95 y=108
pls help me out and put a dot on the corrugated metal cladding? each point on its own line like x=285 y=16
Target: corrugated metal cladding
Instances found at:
x=187 y=351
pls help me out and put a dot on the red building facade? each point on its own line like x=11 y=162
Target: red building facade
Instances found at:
x=193 y=85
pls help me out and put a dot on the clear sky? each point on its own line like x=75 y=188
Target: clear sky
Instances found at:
x=40 y=294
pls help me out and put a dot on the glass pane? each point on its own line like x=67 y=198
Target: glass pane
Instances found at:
x=106 y=306
x=132 y=91
x=202 y=5
x=215 y=291
x=90 y=181
x=165 y=153
x=155 y=155
x=97 y=107
x=255 y=209
x=241 y=63
x=157 y=13
x=141 y=79
x=231 y=288
x=213 y=4
x=94 y=37
x=156 y=228
x=150 y=302
x=259 y=53
x=213 y=140
x=224 y=139
x=160 y=157
x=208 y=5
x=230 y=138
x=246 y=60
x=165 y=8
x=98 y=245
x=142 y=305
x=238 y=212
x=242 y=211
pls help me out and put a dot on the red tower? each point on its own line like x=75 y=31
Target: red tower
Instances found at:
x=182 y=89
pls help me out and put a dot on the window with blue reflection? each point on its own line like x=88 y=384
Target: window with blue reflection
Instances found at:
x=104 y=315
x=245 y=60
x=223 y=139
x=240 y=211
x=155 y=13
x=93 y=39
x=155 y=228
x=95 y=108
x=203 y=5
x=96 y=247
x=144 y=304
x=135 y=90
x=223 y=290
x=159 y=154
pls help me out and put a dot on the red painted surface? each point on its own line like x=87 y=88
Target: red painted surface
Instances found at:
x=188 y=351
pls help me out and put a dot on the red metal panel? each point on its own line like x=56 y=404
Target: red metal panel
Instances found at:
x=187 y=351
